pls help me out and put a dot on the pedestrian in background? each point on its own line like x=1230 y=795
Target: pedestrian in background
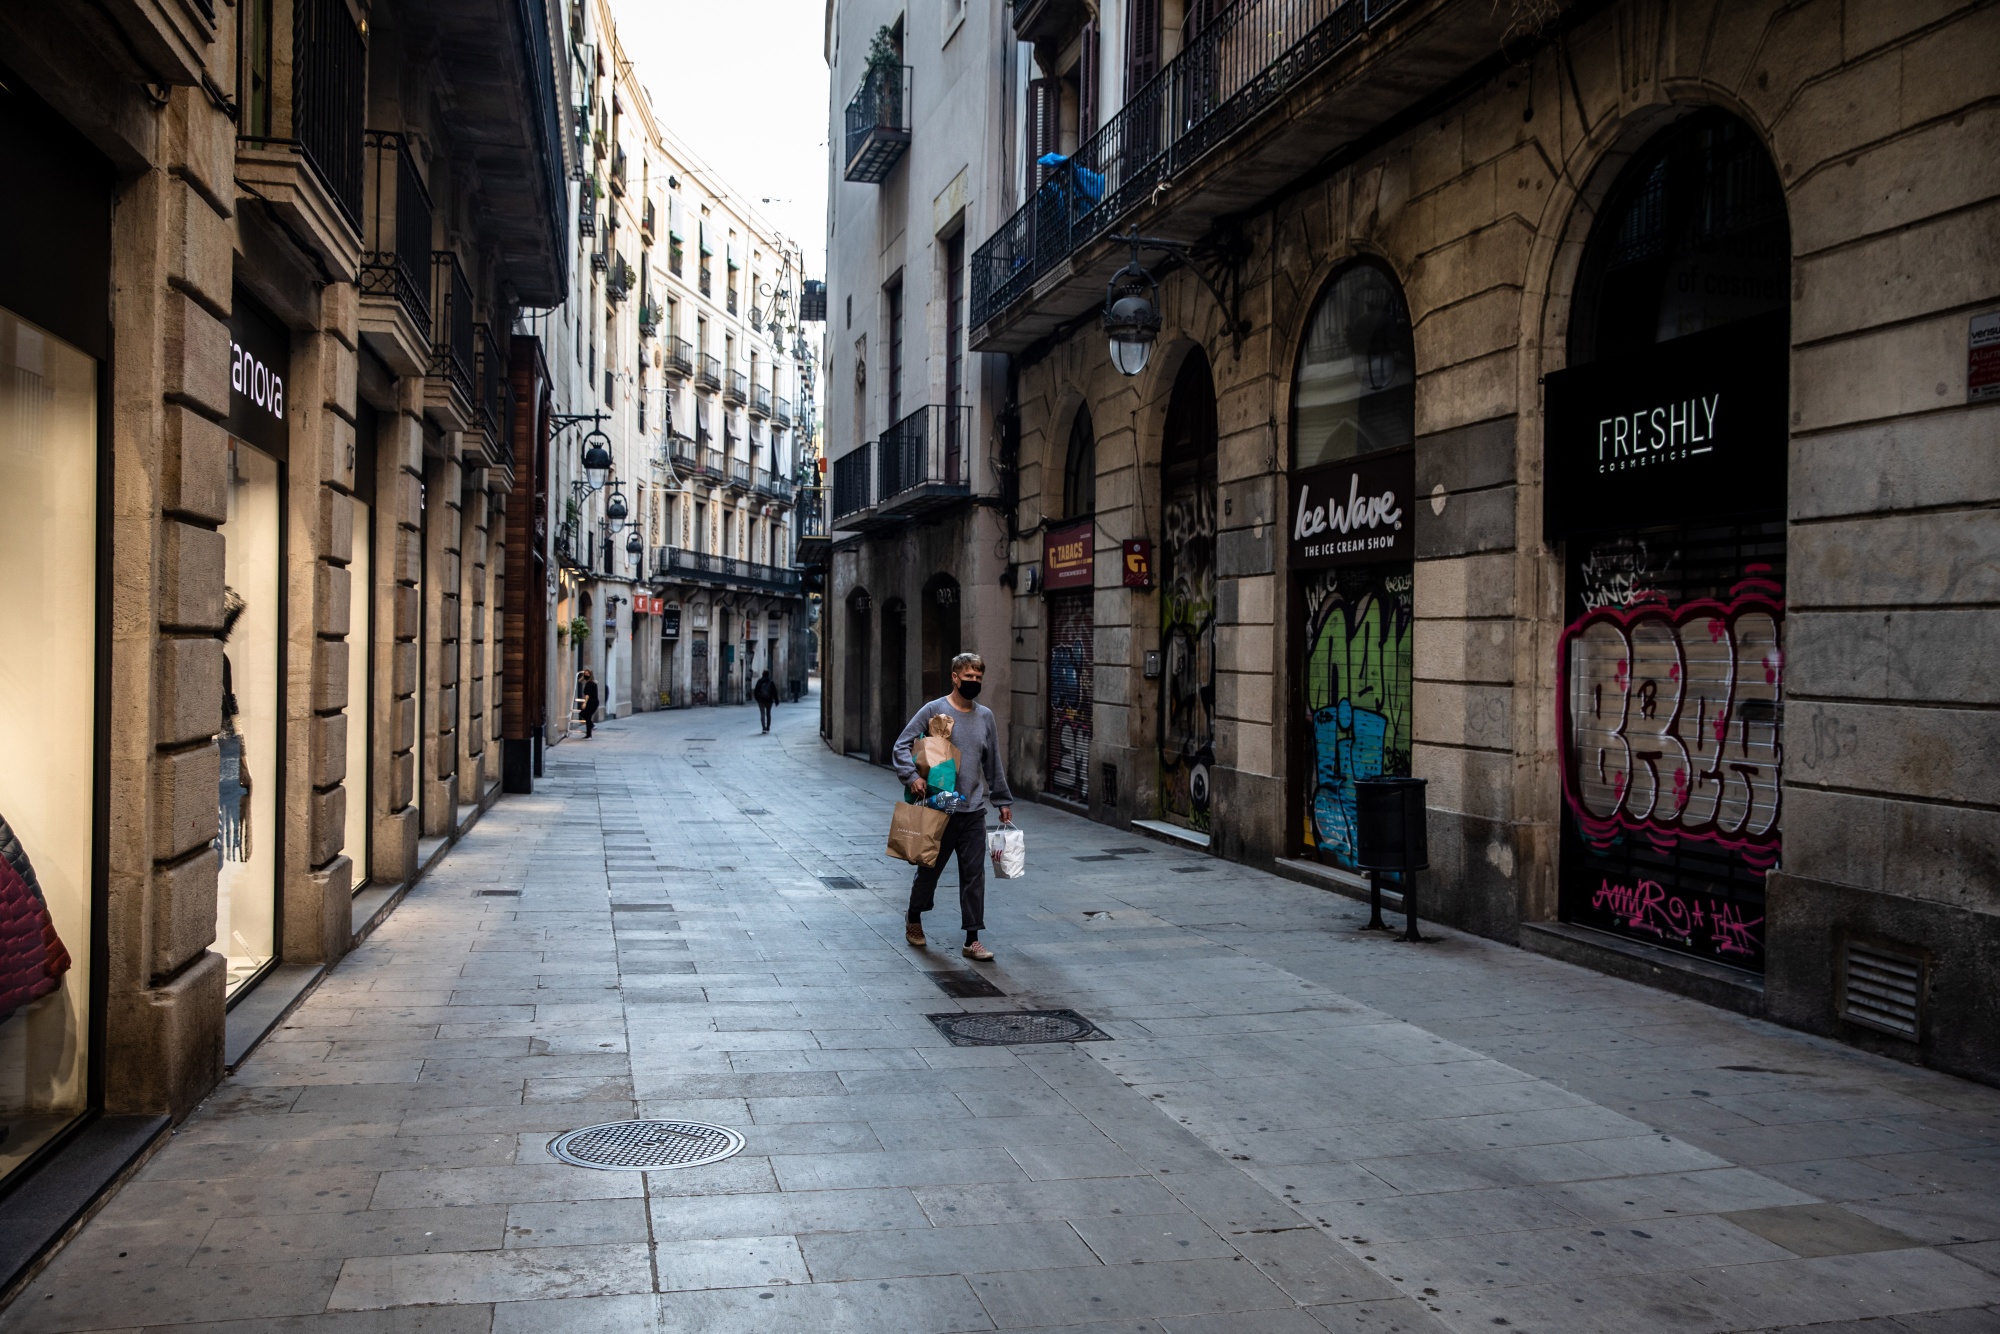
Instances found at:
x=766 y=693
x=981 y=773
x=586 y=701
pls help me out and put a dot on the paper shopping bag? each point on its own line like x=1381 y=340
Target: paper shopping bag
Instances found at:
x=1009 y=850
x=916 y=834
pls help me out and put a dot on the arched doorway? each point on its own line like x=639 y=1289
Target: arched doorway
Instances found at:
x=1665 y=459
x=940 y=634
x=1353 y=435
x=1187 y=597
x=855 y=668
x=1069 y=557
x=895 y=705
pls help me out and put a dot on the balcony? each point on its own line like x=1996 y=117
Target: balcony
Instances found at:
x=781 y=412
x=647 y=220
x=301 y=150
x=683 y=453
x=921 y=466
x=760 y=402
x=1280 y=83
x=678 y=358
x=878 y=124
x=618 y=282
x=449 y=389
x=713 y=465
x=586 y=209
x=740 y=471
x=774 y=486
x=853 y=488
x=709 y=376
x=649 y=317
x=393 y=278
x=811 y=541
x=618 y=172
x=678 y=564
x=736 y=388
x=494 y=406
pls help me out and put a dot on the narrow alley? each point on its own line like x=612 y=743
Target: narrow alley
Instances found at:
x=1287 y=1126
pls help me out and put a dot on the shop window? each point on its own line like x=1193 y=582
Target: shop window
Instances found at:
x=1670 y=668
x=1187 y=597
x=1354 y=391
x=1353 y=430
x=1080 y=468
x=48 y=537
x=252 y=685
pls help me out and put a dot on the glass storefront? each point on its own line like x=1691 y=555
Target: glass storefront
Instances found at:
x=246 y=902
x=48 y=594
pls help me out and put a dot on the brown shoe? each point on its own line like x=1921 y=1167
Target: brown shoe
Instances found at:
x=978 y=953
x=914 y=933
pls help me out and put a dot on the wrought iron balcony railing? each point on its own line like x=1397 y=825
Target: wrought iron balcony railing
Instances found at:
x=774 y=484
x=670 y=563
x=853 y=474
x=878 y=123
x=709 y=374
x=329 y=74
x=923 y=453
x=679 y=359
x=398 y=232
x=1251 y=55
x=713 y=463
x=453 y=352
x=683 y=452
x=495 y=396
x=781 y=412
x=739 y=470
x=736 y=388
x=760 y=401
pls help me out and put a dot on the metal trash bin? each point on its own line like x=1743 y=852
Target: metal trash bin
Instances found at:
x=1392 y=834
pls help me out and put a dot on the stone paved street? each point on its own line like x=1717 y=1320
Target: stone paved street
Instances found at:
x=1293 y=1128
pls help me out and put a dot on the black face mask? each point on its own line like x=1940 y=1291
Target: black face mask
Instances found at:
x=968 y=690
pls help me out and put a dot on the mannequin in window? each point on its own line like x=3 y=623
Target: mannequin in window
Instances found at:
x=233 y=840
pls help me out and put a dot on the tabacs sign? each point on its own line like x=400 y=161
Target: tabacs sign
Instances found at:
x=1355 y=512
x=1069 y=557
x=1692 y=428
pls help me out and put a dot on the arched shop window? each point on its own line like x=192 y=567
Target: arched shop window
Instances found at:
x=1352 y=540
x=1080 y=469
x=1692 y=236
x=1665 y=445
x=1354 y=391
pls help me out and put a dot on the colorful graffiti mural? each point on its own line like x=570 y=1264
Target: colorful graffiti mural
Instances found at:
x=1357 y=684
x=1187 y=644
x=1671 y=690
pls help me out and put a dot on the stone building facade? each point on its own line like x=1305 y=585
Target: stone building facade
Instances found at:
x=1699 y=698
x=264 y=260
x=918 y=566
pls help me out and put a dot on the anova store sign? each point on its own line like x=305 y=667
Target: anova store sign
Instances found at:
x=260 y=363
x=1356 y=512
x=1688 y=429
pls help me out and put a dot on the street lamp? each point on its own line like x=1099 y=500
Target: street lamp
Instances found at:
x=1132 y=301
x=632 y=544
x=614 y=506
x=596 y=459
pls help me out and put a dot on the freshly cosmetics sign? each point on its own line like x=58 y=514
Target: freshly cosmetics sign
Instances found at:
x=1355 y=512
x=1690 y=428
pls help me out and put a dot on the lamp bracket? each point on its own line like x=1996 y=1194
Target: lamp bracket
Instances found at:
x=1216 y=259
x=563 y=421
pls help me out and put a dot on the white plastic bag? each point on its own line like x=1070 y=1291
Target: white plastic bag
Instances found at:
x=1009 y=851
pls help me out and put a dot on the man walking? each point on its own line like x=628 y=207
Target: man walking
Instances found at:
x=587 y=701
x=766 y=694
x=981 y=772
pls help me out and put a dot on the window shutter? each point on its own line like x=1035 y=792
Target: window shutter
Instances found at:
x=1043 y=104
x=1086 y=121
x=1142 y=45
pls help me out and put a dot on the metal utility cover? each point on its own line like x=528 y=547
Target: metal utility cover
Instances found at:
x=646 y=1146
x=1016 y=1028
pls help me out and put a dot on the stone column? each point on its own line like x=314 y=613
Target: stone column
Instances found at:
x=398 y=573
x=442 y=477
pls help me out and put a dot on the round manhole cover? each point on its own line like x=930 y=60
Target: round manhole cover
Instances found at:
x=646 y=1146
x=1017 y=1027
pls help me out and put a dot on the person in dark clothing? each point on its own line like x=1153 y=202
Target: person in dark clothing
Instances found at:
x=981 y=772
x=766 y=694
x=587 y=700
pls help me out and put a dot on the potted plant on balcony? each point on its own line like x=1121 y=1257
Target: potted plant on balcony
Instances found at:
x=649 y=318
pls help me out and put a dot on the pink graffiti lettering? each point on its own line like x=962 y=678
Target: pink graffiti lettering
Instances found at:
x=1650 y=907
x=1671 y=734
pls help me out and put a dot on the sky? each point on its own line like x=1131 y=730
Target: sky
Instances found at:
x=744 y=84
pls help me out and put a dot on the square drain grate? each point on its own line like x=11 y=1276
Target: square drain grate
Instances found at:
x=963 y=983
x=840 y=882
x=642 y=907
x=1016 y=1028
x=498 y=894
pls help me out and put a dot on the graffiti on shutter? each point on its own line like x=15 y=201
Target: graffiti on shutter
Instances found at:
x=1070 y=678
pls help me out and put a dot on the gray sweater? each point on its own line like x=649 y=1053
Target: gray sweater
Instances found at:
x=980 y=768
